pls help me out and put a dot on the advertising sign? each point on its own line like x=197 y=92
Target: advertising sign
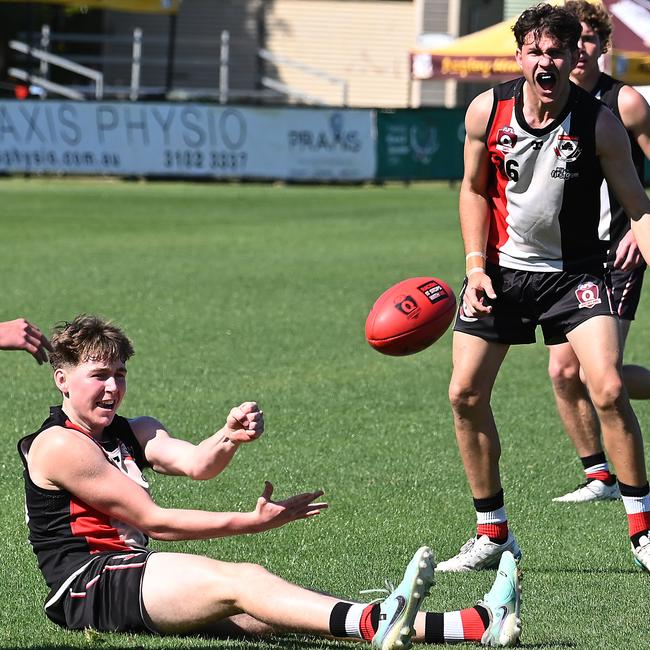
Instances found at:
x=158 y=139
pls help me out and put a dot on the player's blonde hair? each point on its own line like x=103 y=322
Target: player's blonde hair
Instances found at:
x=596 y=16
x=88 y=338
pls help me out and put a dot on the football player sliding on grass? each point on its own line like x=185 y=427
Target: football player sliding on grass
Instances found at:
x=90 y=516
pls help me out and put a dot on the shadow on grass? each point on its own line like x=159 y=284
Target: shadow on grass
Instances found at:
x=583 y=570
x=549 y=644
x=284 y=642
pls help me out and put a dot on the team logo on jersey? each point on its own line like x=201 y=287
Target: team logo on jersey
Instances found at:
x=567 y=148
x=407 y=305
x=506 y=138
x=587 y=295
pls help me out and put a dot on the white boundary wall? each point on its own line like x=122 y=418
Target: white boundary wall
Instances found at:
x=193 y=140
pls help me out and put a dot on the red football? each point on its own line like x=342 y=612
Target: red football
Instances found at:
x=410 y=316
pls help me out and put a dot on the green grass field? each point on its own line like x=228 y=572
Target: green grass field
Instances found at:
x=237 y=292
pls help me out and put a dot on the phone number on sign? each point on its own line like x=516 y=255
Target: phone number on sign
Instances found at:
x=182 y=159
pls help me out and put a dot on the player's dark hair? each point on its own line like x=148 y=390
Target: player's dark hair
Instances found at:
x=557 y=22
x=596 y=17
x=88 y=338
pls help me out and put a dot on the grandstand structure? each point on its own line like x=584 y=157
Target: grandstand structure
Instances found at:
x=329 y=52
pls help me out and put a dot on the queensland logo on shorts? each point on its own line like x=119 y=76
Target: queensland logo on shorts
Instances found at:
x=407 y=305
x=587 y=295
x=567 y=148
x=506 y=138
x=433 y=291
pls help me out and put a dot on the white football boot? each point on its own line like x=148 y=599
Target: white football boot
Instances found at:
x=594 y=490
x=642 y=553
x=480 y=553
x=503 y=603
x=397 y=612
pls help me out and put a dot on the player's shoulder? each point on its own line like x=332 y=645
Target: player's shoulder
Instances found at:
x=58 y=442
x=58 y=435
x=478 y=114
x=632 y=106
x=142 y=423
x=146 y=428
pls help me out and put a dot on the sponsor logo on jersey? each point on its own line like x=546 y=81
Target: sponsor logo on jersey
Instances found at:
x=433 y=291
x=587 y=295
x=537 y=144
x=567 y=148
x=563 y=174
x=506 y=138
x=407 y=305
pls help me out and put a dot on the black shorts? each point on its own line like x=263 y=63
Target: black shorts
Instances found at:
x=626 y=291
x=105 y=594
x=558 y=301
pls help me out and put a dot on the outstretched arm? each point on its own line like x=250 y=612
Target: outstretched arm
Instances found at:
x=169 y=455
x=65 y=459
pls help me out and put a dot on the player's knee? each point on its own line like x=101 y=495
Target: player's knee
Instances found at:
x=465 y=397
x=564 y=375
x=608 y=393
x=250 y=573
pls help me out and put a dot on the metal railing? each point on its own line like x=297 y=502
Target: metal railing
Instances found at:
x=276 y=59
x=59 y=61
x=271 y=89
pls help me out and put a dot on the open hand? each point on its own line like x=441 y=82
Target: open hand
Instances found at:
x=272 y=514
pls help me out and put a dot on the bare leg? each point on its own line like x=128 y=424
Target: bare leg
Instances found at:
x=573 y=402
x=476 y=364
x=597 y=347
x=190 y=593
x=636 y=378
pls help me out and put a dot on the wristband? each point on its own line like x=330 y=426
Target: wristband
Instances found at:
x=474 y=254
x=475 y=269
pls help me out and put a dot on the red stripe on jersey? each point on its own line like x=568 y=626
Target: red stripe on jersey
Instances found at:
x=498 y=234
x=76 y=427
x=95 y=527
x=473 y=627
x=639 y=522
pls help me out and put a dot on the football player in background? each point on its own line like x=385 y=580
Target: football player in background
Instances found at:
x=624 y=261
x=536 y=150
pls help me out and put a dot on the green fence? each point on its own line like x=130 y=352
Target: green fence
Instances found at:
x=420 y=144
